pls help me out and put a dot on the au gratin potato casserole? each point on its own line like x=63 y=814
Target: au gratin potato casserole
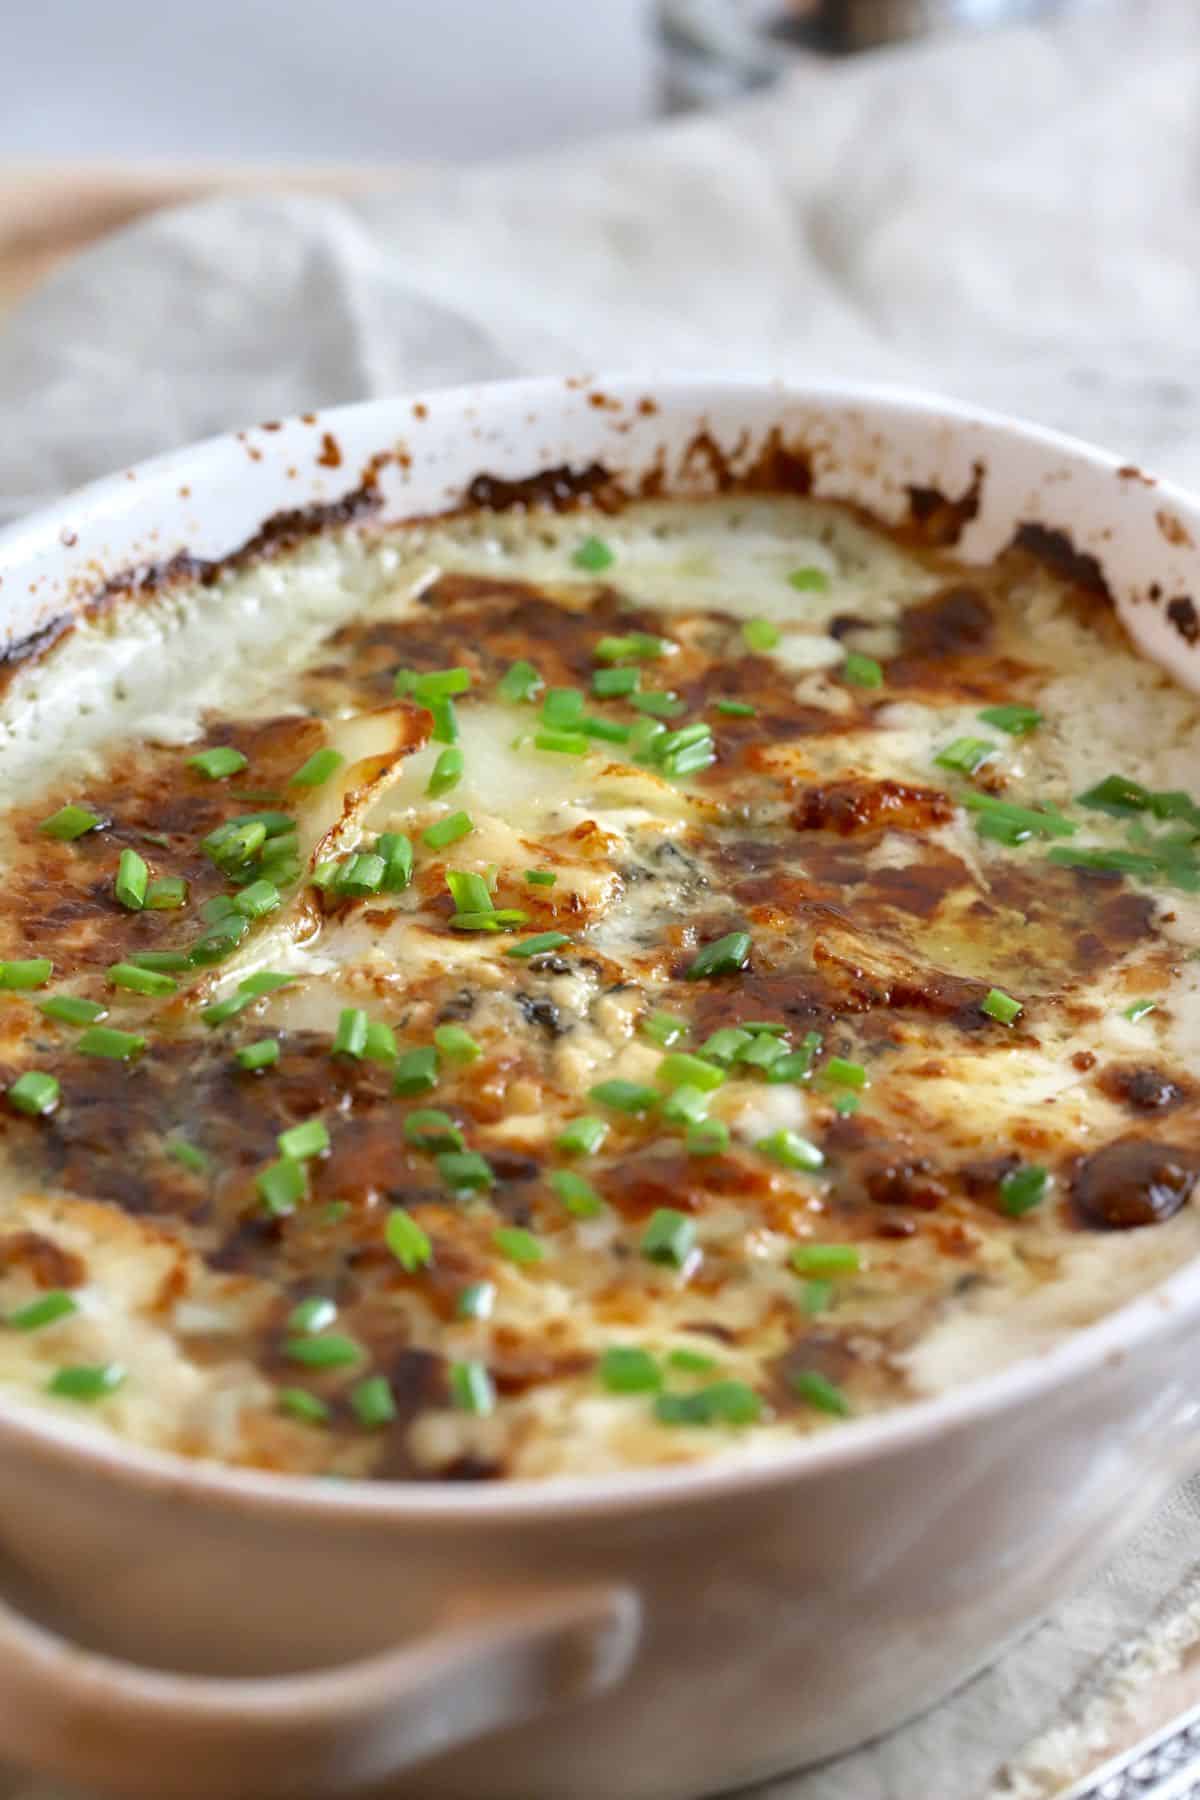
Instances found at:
x=542 y=992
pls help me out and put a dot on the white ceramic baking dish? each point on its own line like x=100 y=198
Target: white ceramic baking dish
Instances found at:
x=174 y=1629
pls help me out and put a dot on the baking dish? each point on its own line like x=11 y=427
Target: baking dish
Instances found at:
x=177 y=1629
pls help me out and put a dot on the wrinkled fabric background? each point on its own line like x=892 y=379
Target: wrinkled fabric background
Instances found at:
x=1012 y=218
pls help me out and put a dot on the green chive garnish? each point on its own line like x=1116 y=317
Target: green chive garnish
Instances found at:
x=445 y=721
x=381 y=1042
x=518 y=1245
x=1117 y=795
x=441 y=684
x=594 y=555
x=685 y=1105
x=965 y=755
x=448 y=830
x=464 y=1171
x=562 y=743
x=220 y=940
x=407 y=1242
x=163 y=962
x=540 y=878
x=456 y=1043
x=577 y=1195
x=360 y=875
x=790 y=1150
x=118 y=1046
x=319 y=767
x=706 y=1137
x=809 y=580
x=166 y=894
x=431 y=1129
x=373 y=1402
x=721 y=1403
x=725 y=956
x=862 y=671
x=416 y=1072
x=536 y=946
x=816 y=1296
x=396 y=852
x=447 y=772
x=132 y=880
x=1007 y=823
x=47 y=1309
x=1016 y=720
x=1139 y=1009
x=187 y=1156
x=330 y=1352
x=725 y=1045
x=86 y=1381
x=262 y=1055
x=659 y=703
x=1022 y=1189
x=826 y=1259
x=669 y=1237
x=562 y=708
x=627 y=1369
x=760 y=634
x=638 y=646
x=469 y=891
x=221 y=761
x=350 y=1038
x=299 y=1142
x=69 y=823
x=817 y=1391
x=520 y=682
x=313 y=1314
x=476 y=1300
x=582 y=1137
x=1000 y=1006
x=302 y=1405
x=664 y=1028
x=763 y=1052
x=258 y=899
x=692 y=1362
x=68 y=1009
x=679 y=1069
x=612 y=684
x=140 y=981
x=35 y=1093
x=626 y=1096
x=841 y=1073
x=35 y=972
x=471 y=1388
x=797 y=1065
x=736 y=709
x=280 y=1185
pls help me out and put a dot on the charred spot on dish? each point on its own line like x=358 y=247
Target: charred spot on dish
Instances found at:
x=1054 y=549
x=1182 y=613
x=1134 y=1182
x=938 y=520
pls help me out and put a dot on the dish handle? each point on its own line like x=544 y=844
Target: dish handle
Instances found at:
x=87 y=1717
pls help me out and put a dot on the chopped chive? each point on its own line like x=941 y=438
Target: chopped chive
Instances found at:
x=763 y=1052
x=826 y=1259
x=1000 y=1006
x=325 y=873
x=313 y=1314
x=594 y=555
x=1114 y=862
x=679 y=1069
x=540 y=877
x=607 y=730
x=582 y=1137
x=518 y=1245
x=476 y=1300
x=611 y=684
x=275 y=824
x=760 y=635
x=35 y=1093
x=965 y=754
x=34 y=972
x=494 y=919
x=118 y=1046
x=404 y=683
x=726 y=1044
x=669 y=1237
x=685 y=1105
x=442 y=684
x=47 y=1309
x=407 y=1242
x=1006 y=823
x=302 y=1405
x=396 y=852
x=626 y=1096
x=187 y=1156
x=456 y=1043
x=471 y=1388
x=790 y=1150
x=416 y=1072
x=220 y=940
x=166 y=894
x=140 y=981
x=464 y=1171
x=535 y=946
x=736 y=709
x=86 y=1381
x=69 y=1009
x=725 y=956
x=660 y=703
x=809 y=580
x=448 y=830
x=258 y=899
x=69 y=823
x=1016 y=720
x=447 y=772
x=445 y=721
x=330 y=1352
x=562 y=708
x=628 y=1369
x=642 y=646
x=431 y=1129
x=1139 y=1009
x=562 y=743
x=350 y=1038
x=281 y=1184
x=825 y=1395
x=692 y=1362
x=845 y=1104
x=232 y=845
x=1022 y=1189
x=664 y=1028
x=262 y=1055
x=797 y=1066
x=816 y=1296
x=318 y=768
x=470 y=892
x=219 y=762
x=577 y=1195
x=373 y=1402
x=168 y=962
x=360 y=875
x=721 y=1403
x=1117 y=795
x=220 y=907
x=862 y=671
x=706 y=1137
x=520 y=682
x=299 y=1142
x=381 y=1042
x=841 y=1073
x=132 y=880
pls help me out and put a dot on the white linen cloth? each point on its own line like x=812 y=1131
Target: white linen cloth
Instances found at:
x=1012 y=218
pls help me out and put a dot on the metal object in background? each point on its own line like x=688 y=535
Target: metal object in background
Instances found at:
x=1165 y=1766
x=716 y=49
